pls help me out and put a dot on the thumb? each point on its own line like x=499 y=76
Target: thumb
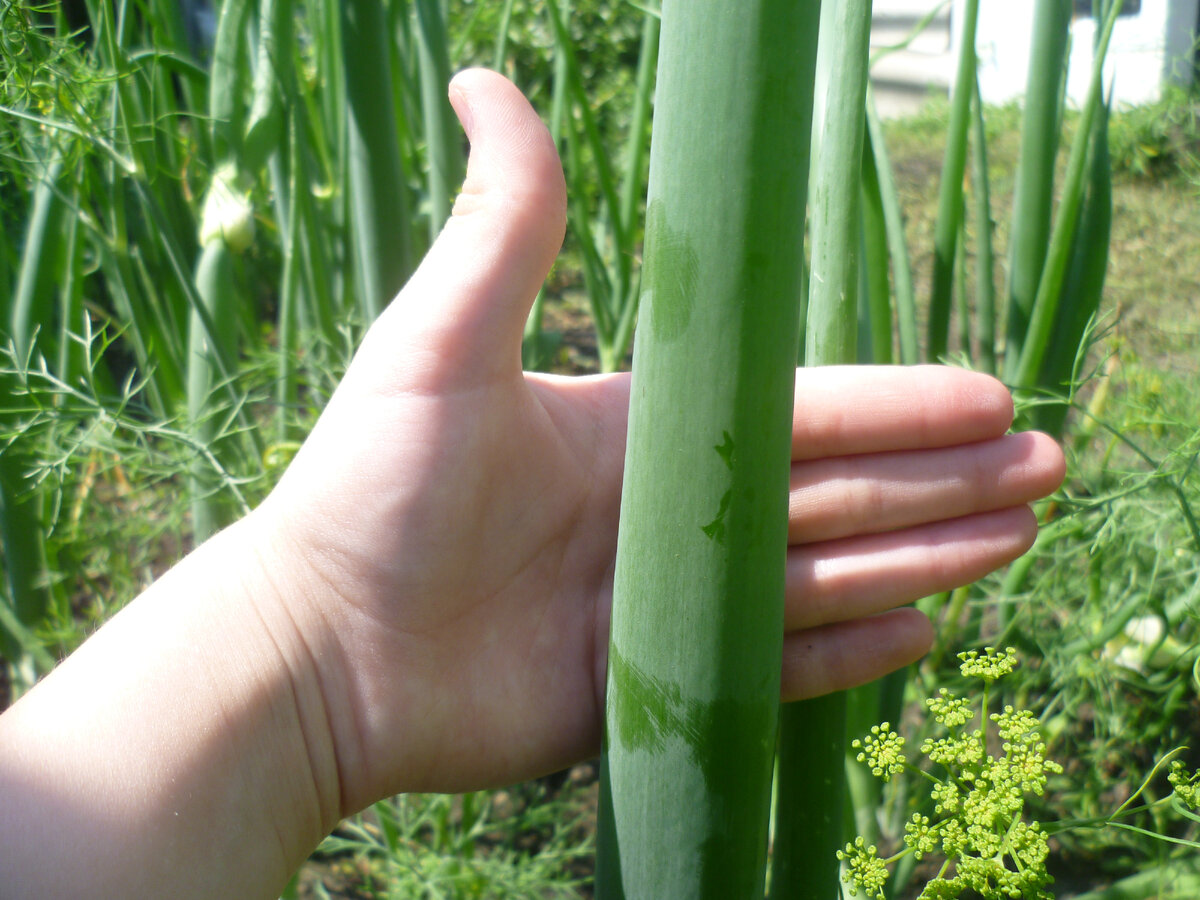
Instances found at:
x=460 y=319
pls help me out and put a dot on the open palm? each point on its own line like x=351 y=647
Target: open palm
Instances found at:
x=452 y=521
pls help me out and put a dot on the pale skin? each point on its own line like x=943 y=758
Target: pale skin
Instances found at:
x=423 y=602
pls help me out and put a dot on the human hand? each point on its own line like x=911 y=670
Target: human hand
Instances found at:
x=446 y=536
x=423 y=602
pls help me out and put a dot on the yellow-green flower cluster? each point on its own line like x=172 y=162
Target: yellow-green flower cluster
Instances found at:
x=882 y=750
x=990 y=666
x=865 y=871
x=991 y=851
x=951 y=711
x=1184 y=785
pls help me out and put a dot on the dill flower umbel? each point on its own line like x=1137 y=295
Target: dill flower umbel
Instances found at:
x=978 y=796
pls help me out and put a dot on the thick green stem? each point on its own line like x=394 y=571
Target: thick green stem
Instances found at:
x=808 y=829
x=693 y=675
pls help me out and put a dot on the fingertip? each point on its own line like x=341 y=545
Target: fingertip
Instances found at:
x=994 y=400
x=1041 y=460
x=512 y=152
x=460 y=102
x=461 y=317
x=1055 y=460
x=1026 y=528
x=843 y=410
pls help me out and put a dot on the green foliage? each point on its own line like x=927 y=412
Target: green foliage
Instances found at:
x=606 y=36
x=507 y=845
x=1159 y=139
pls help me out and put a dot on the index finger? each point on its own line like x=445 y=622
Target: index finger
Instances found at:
x=846 y=410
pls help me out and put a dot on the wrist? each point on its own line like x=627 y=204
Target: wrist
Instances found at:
x=185 y=732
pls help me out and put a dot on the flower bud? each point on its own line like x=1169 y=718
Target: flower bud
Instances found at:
x=227 y=213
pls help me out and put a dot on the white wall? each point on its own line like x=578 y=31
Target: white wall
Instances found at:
x=1147 y=48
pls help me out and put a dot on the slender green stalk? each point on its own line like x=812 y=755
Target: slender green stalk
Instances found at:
x=72 y=357
x=634 y=181
x=209 y=355
x=1049 y=290
x=225 y=95
x=314 y=251
x=693 y=675
x=382 y=243
x=1033 y=194
x=875 y=286
x=950 y=193
x=501 y=51
x=26 y=588
x=287 y=318
x=962 y=309
x=32 y=311
x=1084 y=284
x=30 y=316
x=441 y=127
x=893 y=217
x=985 y=263
x=264 y=130
x=835 y=214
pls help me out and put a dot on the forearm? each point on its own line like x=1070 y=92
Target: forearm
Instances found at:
x=182 y=751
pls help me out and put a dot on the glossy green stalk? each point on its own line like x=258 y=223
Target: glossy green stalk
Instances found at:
x=834 y=213
x=316 y=258
x=29 y=315
x=876 y=287
x=442 y=140
x=962 y=308
x=209 y=353
x=950 y=193
x=808 y=827
x=985 y=263
x=1049 y=291
x=634 y=181
x=32 y=307
x=1033 y=194
x=693 y=674
x=382 y=243
x=1084 y=284
x=225 y=97
x=893 y=217
x=287 y=318
x=536 y=345
x=501 y=52
x=264 y=131
x=72 y=355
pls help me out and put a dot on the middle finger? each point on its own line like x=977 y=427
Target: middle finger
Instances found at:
x=873 y=493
